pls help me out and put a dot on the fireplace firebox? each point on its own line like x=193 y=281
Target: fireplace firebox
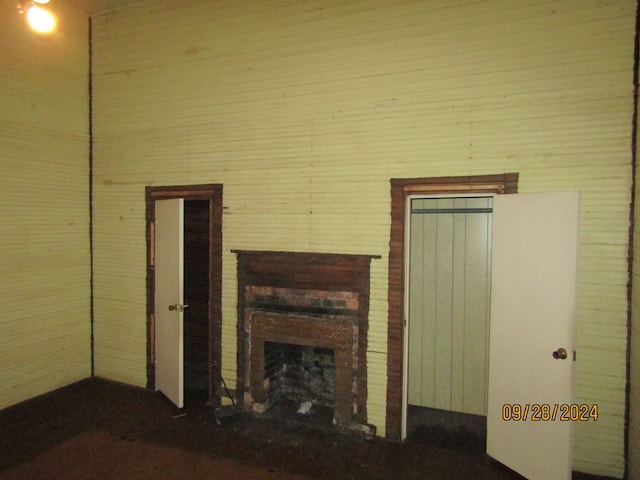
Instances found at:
x=302 y=375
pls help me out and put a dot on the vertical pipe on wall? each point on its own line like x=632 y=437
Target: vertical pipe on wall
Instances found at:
x=630 y=287
x=91 y=306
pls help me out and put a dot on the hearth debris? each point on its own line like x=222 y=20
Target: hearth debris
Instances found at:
x=305 y=408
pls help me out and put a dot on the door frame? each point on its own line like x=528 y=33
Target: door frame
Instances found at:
x=401 y=190
x=212 y=193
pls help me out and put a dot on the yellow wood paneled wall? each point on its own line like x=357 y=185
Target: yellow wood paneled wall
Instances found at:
x=44 y=206
x=305 y=109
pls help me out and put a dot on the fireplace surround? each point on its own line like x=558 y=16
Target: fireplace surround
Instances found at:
x=310 y=300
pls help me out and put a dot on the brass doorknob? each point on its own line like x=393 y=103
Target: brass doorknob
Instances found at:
x=179 y=307
x=560 y=354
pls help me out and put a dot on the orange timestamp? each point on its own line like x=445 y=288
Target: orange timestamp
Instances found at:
x=544 y=412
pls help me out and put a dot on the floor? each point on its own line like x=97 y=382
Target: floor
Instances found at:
x=452 y=430
x=101 y=429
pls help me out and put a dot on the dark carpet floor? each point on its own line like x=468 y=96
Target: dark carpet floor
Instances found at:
x=100 y=429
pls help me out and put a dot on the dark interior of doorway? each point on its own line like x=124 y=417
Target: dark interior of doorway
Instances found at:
x=197 y=363
x=462 y=432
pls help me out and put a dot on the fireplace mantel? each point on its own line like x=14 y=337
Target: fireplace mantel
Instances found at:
x=337 y=283
x=321 y=271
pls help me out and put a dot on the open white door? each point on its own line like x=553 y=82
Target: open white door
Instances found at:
x=533 y=309
x=169 y=302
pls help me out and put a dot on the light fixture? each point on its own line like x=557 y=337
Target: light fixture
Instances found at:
x=40 y=19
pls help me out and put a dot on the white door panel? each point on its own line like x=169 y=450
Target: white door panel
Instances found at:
x=533 y=310
x=169 y=317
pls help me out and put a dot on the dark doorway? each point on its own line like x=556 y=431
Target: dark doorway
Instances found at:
x=196 y=294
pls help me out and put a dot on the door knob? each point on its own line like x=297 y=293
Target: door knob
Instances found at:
x=178 y=307
x=560 y=354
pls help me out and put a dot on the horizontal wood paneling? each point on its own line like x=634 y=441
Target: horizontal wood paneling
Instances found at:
x=44 y=206
x=305 y=110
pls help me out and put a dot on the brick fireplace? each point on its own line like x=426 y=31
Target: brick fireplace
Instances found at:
x=315 y=303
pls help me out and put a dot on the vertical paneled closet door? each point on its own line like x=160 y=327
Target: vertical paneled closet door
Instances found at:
x=449 y=279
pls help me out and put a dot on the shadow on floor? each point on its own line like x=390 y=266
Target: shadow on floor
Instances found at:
x=451 y=430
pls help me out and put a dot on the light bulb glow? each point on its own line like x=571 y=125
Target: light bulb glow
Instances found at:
x=40 y=19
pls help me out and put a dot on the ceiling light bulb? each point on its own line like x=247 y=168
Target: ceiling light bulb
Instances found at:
x=40 y=20
x=41 y=2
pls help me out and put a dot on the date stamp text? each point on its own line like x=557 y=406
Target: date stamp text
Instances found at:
x=544 y=412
